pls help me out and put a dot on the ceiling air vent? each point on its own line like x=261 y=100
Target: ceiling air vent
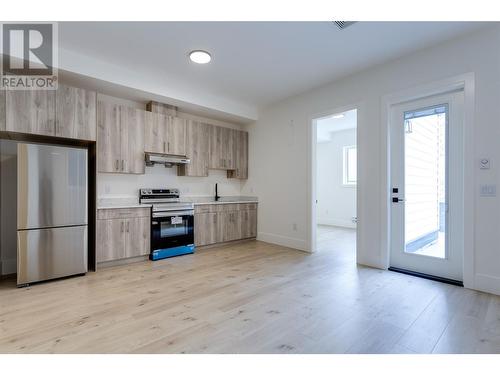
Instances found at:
x=343 y=24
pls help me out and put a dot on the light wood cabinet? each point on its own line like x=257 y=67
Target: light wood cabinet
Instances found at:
x=155 y=133
x=229 y=226
x=75 y=113
x=215 y=223
x=137 y=237
x=120 y=138
x=110 y=240
x=165 y=135
x=206 y=229
x=222 y=148
x=132 y=124
x=248 y=220
x=122 y=233
x=240 y=155
x=108 y=137
x=197 y=150
x=176 y=136
x=31 y=111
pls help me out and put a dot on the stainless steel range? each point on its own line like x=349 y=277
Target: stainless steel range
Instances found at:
x=172 y=223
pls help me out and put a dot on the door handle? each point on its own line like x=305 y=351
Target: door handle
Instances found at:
x=397 y=200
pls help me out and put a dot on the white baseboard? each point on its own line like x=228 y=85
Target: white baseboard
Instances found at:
x=8 y=266
x=487 y=283
x=294 y=243
x=336 y=222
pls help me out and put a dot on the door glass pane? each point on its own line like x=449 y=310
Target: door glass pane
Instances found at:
x=425 y=181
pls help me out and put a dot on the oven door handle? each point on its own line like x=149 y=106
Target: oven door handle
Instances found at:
x=173 y=213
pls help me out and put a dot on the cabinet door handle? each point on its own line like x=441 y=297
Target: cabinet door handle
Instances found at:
x=117 y=164
x=121 y=227
x=128 y=226
x=123 y=165
x=164 y=148
x=168 y=146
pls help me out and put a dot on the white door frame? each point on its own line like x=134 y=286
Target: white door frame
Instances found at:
x=312 y=163
x=463 y=82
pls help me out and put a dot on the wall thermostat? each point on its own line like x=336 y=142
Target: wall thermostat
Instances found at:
x=484 y=163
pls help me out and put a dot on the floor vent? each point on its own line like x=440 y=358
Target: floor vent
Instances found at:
x=343 y=24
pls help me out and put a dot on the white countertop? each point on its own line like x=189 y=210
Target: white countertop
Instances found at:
x=113 y=203
x=121 y=205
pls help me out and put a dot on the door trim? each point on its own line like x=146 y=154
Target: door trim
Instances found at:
x=465 y=82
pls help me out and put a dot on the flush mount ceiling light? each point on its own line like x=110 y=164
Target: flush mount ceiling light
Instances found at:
x=340 y=115
x=200 y=57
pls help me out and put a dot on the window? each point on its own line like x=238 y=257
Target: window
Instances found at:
x=350 y=166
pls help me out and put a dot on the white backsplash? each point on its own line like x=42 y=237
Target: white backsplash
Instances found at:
x=126 y=186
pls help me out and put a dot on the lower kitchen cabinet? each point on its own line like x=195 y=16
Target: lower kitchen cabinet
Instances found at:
x=205 y=228
x=248 y=219
x=122 y=233
x=217 y=223
x=229 y=226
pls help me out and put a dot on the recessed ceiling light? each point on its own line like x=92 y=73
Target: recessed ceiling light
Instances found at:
x=340 y=115
x=200 y=57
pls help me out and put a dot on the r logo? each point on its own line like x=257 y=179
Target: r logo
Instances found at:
x=28 y=49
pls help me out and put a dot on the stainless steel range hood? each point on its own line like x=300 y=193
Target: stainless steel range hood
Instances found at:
x=167 y=160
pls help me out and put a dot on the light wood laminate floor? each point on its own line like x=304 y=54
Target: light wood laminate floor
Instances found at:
x=250 y=297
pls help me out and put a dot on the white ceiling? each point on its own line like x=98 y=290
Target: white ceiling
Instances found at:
x=327 y=126
x=254 y=63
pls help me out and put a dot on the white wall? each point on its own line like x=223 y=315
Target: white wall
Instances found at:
x=336 y=202
x=280 y=151
x=110 y=185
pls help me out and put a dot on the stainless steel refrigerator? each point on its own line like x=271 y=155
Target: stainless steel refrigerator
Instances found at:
x=52 y=212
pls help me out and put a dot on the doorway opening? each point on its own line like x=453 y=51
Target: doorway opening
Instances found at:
x=335 y=217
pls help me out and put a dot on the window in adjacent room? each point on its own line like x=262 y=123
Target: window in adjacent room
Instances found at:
x=350 y=166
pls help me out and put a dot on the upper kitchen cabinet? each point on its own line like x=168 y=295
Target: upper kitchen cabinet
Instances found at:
x=132 y=125
x=222 y=148
x=31 y=111
x=241 y=156
x=120 y=138
x=165 y=135
x=75 y=113
x=176 y=136
x=197 y=150
x=155 y=133
x=108 y=137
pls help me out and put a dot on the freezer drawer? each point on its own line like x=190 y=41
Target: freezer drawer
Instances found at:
x=44 y=254
x=51 y=186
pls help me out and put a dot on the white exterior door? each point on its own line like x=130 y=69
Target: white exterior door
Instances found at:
x=426 y=191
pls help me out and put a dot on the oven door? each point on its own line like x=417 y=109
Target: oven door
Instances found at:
x=172 y=229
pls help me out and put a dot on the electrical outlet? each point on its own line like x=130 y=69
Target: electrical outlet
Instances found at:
x=488 y=190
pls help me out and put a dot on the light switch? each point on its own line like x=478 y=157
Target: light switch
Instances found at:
x=484 y=163
x=488 y=190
